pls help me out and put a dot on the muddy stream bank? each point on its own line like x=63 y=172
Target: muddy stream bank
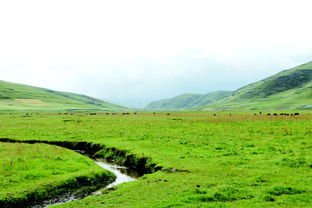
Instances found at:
x=126 y=167
x=122 y=174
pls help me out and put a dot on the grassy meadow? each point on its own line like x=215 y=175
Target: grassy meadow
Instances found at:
x=31 y=172
x=288 y=89
x=24 y=98
x=237 y=160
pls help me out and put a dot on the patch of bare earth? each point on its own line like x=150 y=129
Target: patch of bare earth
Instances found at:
x=33 y=102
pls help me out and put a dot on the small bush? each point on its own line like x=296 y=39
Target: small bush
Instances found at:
x=226 y=194
x=280 y=190
x=292 y=163
x=268 y=198
x=259 y=179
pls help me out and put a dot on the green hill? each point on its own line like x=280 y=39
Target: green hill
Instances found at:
x=289 y=89
x=186 y=101
x=18 y=97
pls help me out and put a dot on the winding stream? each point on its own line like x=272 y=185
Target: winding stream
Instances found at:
x=123 y=175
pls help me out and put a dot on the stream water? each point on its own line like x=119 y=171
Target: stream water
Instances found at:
x=123 y=175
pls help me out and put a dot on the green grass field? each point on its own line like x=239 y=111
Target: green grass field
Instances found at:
x=31 y=172
x=242 y=160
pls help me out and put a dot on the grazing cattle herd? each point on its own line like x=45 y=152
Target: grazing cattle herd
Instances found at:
x=168 y=114
x=284 y=114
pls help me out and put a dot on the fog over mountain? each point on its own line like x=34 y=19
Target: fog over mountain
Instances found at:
x=132 y=53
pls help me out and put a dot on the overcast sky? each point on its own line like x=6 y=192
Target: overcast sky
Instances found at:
x=134 y=52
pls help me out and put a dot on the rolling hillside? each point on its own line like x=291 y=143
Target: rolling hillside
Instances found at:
x=186 y=101
x=18 y=97
x=289 y=89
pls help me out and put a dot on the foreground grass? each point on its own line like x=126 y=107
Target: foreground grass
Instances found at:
x=32 y=172
x=240 y=160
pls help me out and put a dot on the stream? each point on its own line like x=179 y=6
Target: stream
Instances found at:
x=123 y=175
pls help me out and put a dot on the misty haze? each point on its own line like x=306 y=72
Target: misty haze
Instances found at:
x=155 y=103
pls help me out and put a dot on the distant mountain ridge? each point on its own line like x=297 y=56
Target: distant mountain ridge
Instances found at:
x=288 y=89
x=19 y=97
x=186 y=101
